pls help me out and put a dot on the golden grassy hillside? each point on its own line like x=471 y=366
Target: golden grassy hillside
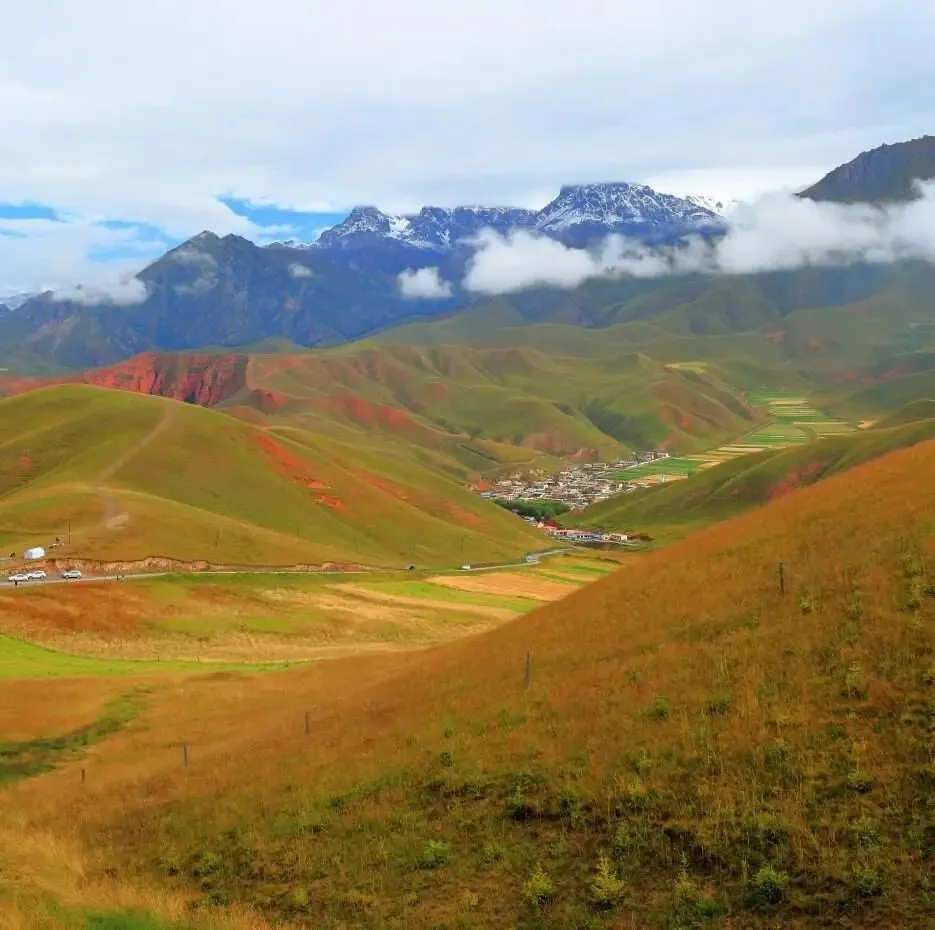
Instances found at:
x=679 y=744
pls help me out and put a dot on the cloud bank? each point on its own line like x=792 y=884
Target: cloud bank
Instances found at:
x=778 y=231
x=424 y=284
x=188 y=125
x=300 y=271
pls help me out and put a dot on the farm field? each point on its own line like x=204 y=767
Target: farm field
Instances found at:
x=794 y=421
x=182 y=623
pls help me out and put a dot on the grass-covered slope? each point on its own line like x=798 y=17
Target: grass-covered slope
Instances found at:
x=724 y=490
x=134 y=476
x=678 y=745
x=487 y=401
x=463 y=410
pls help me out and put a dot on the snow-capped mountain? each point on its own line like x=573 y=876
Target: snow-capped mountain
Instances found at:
x=581 y=215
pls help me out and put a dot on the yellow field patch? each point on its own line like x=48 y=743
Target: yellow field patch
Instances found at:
x=514 y=584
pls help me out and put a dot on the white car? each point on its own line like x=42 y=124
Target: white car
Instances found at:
x=18 y=577
x=71 y=573
x=37 y=575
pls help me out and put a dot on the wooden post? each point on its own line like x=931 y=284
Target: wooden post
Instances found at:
x=185 y=753
x=82 y=776
x=528 y=667
x=782 y=578
x=307 y=726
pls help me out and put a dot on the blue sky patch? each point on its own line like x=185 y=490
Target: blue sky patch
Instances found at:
x=302 y=225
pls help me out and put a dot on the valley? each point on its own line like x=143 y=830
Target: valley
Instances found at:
x=313 y=675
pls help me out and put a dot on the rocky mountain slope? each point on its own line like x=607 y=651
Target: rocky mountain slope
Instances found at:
x=886 y=173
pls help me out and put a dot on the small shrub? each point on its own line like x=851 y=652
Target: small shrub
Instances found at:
x=807 y=604
x=206 y=864
x=449 y=732
x=865 y=833
x=768 y=888
x=855 y=610
x=913 y=596
x=625 y=842
x=928 y=676
x=570 y=799
x=777 y=754
x=633 y=796
x=718 y=706
x=435 y=854
x=869 y=883
x=859 y=781
x=643 y=763
x=538 y=890
x=854 y=686
x=446 y=759
x=770 y=830
x=660 y=709
x=493 y=852
x=607 y=888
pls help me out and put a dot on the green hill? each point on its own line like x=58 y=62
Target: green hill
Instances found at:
x=134 y=476
x=724 y=490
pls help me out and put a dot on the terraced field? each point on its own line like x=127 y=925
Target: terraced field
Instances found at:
x=794 y=421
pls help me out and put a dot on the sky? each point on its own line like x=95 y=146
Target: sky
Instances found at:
x=129 y=127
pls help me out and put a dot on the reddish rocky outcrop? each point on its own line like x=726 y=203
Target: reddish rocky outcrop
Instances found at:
x=197 y=378
x=200 y=379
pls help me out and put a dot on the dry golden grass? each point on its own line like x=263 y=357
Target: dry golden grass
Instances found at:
x=513 y=584
x=724 y=728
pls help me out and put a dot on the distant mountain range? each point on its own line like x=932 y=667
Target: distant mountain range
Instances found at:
x=227 y=291
x=579 y=216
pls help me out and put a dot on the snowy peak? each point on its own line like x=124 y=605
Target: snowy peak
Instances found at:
x=624 y=208
x=437 y=228
x=579 y=215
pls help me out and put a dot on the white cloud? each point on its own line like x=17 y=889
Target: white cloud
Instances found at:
x=117 y=290
x=557 y=92
x=426 y=283
x=775 y=232
x=300 y=271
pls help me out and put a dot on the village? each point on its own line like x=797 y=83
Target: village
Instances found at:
x=576 y=487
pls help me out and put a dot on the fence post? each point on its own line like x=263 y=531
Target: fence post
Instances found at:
x=82 y=776
x=782 y=578
x=185 y=753
x=528 y=667
x=307 y=727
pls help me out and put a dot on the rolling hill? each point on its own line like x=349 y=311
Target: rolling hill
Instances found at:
x=132 y=476
x=727 y=489
x=464 y=411
x=677 y=745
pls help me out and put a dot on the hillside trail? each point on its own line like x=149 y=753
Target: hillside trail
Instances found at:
x=111 y=517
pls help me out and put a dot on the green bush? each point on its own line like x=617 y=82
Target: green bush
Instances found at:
x=435 y=855
x=607 y=888
x=446 y=759
x=493 y=852
x=660 y=709
x=538 y=890
x=769 y=888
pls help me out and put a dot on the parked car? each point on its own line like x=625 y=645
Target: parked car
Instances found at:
x=71 y=573
x=19 y=576
x=37 y=575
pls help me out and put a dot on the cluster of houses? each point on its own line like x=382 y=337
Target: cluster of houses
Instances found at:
x=576 y=486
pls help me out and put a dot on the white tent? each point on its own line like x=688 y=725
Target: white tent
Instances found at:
x=37 y=552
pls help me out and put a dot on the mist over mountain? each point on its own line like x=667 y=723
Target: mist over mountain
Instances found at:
x=376 y=270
